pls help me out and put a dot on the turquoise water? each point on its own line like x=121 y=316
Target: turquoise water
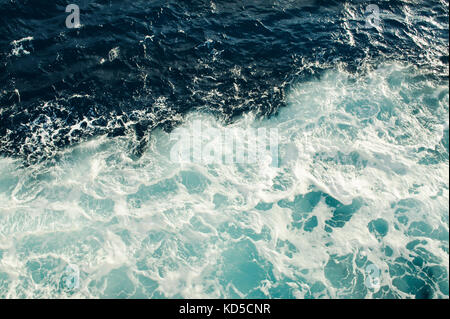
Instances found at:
x=361 y=190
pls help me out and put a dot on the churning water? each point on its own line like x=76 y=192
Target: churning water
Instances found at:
x=357 y=205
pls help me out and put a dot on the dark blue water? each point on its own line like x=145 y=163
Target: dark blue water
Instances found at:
x=185 y=52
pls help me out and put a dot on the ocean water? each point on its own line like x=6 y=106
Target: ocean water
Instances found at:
x=354 y=203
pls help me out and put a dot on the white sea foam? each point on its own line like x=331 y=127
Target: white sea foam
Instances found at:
x=18 y=48
x=353 y=150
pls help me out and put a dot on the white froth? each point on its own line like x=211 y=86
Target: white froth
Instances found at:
x=154 y=228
